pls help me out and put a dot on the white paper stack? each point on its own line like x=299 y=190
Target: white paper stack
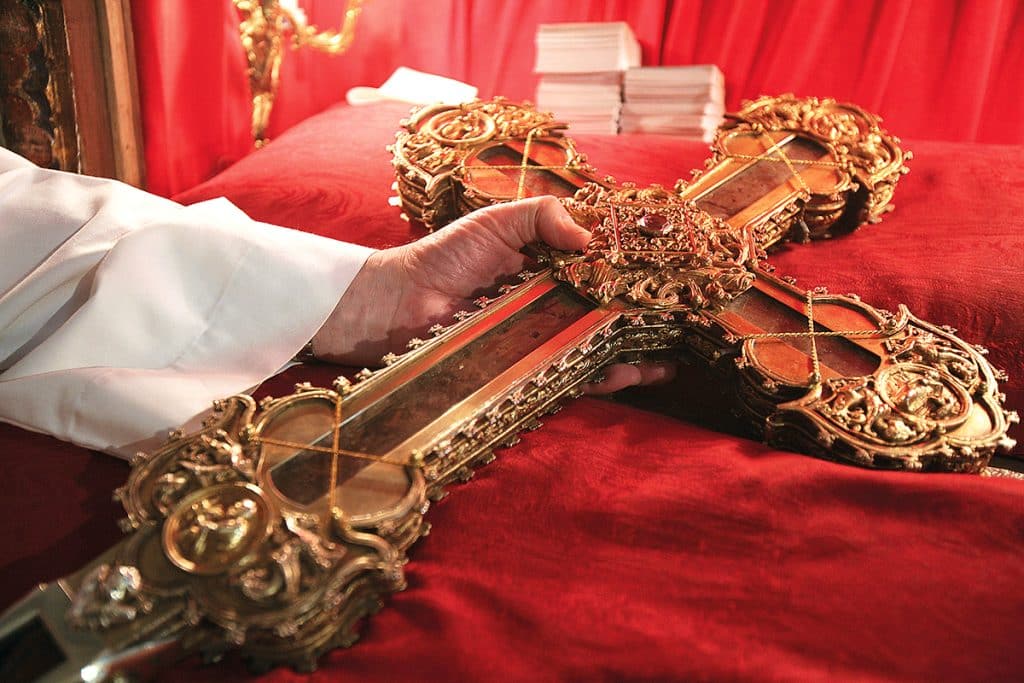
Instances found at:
x=581 y=67
x=674 y=100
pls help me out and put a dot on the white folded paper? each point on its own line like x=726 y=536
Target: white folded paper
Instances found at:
x=581 y=67
x=673 y=100
x=586 y=47
x=414 y=87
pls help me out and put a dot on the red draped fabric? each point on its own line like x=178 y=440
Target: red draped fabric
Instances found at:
x=196 y=105
x=937 y=69
x=193 y=91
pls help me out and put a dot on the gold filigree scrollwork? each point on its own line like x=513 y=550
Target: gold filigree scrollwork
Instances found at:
x=657 y=250
x=212 y=530
x=264 y=28
x=461 y=127
x=223 y=543
x=904 y=404
x=932 y=404
x=110 y=595
x=438 y=156
x=921 y=346
x=858 y=143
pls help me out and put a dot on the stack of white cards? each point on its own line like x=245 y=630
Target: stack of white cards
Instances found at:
x=581 y=67
x=674 y=100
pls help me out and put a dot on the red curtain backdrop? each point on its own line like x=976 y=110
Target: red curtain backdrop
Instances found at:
x=193 y=91
x=937 y=69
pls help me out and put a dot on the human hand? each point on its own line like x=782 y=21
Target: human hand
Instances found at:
x=401 y=292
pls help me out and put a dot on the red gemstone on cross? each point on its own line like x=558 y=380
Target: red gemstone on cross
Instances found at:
x=654 y=225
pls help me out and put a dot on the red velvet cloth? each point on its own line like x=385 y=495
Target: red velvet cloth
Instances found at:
x=615 y=544
x=619 y=544
x=935 y=69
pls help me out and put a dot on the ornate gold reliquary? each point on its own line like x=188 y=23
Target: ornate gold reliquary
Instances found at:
x=278 y=526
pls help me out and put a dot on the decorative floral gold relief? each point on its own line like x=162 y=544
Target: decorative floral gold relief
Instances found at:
x=212 y=530
x=657 y=251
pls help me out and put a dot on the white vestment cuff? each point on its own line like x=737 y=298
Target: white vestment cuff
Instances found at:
x=122 y=337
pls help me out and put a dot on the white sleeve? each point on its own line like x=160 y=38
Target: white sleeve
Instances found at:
x=123 y=315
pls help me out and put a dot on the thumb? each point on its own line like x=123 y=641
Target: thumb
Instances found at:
x=536 y=219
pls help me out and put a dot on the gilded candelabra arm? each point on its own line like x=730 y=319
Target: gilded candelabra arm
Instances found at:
x=263 y=29
x=331 y=42
x=261 y=40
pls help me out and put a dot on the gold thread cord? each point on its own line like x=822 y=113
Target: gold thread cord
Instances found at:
x=524 y=166
x=812 y=335
x=815 y=361
x=331 y=503
x=324 y=449
x=795 y=162
x=521 y=187
x=779 y=154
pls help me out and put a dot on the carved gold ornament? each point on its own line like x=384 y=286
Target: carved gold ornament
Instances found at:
x=265 y=27
x=870 y=156
x=658 y=254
